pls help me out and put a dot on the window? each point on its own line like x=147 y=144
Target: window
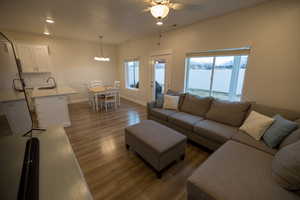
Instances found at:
x=132 y=74
x=217 y=74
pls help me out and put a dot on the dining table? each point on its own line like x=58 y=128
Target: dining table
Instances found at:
x=101 y=90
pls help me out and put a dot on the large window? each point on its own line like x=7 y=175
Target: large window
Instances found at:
x=221 y=76
x=132 y=74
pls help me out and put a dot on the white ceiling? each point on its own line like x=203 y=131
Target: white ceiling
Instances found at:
x=117 y=20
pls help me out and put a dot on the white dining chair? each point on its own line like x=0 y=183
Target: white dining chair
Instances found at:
x=95 y=83
x=110 y=99
x=117 y=84
x=91 y=98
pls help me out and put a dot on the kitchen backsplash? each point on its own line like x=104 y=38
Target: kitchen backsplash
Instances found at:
x=36 y=79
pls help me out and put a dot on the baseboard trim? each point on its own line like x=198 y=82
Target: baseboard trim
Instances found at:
x=134 y=100
x=124 y=97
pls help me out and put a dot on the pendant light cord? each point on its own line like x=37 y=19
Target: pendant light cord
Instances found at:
x=101 y=45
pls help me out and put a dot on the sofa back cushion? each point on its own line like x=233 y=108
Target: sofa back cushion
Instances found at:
x=195 y=105
x=272 y=111
x=286 y=167
x=292 y=138
x=230 y=113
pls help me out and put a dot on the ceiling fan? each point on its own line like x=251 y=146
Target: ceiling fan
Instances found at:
x=161 y=8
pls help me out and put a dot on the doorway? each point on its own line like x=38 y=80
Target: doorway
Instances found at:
x=160 y=77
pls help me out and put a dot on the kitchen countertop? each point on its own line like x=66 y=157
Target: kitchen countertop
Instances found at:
x=59 y=91
x=11 y=95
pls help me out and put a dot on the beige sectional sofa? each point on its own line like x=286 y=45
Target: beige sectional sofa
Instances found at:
x=240 y=168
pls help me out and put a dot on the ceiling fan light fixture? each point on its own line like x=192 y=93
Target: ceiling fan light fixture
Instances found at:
x=159 y=11
x=159 y=22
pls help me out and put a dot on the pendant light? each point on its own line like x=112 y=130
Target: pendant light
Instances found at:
x=101 y=58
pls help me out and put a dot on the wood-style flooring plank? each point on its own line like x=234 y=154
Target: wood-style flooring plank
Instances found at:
x=112 y=172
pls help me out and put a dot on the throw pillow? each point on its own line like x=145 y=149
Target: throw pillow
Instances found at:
x=227 y=112
x=256 y=124
x=171 y=102
x=286 y=167
x=160 y=99
x=278 y=131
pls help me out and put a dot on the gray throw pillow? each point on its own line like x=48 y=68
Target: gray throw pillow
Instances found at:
x=278 y=131
x=227 y=112
x=286 y=167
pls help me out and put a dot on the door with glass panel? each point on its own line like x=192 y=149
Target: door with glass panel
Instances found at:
x=159 y=79
x=221 y=76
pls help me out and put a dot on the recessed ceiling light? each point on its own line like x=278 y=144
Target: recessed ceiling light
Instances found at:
x=50 y=21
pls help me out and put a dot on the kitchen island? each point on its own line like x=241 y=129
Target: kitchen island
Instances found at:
x=14 y=109
x=51 y=106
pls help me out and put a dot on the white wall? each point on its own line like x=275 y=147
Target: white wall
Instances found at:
x=272 y=29
x=72 y=61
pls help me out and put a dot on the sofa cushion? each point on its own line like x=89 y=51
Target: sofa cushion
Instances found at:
x=236 y=172
x=286 y=167
x=162 y=113
x=272 y=111
x=292 y=138
x=244 y=138
x=278 y=131
x=230 y=113
x=184 y=120
x=196 y=105
x=215 y=131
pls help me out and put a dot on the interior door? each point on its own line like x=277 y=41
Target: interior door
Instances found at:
x=160 y=76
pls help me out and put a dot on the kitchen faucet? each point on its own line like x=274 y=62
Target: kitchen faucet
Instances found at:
x=53 y=79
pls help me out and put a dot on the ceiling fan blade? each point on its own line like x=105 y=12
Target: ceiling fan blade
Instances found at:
x=146 y=9
x=177 y=6
x=151 y=2
x=193 y=7
x=186 y=6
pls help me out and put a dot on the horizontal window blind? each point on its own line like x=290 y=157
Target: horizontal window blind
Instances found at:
x=220 y=52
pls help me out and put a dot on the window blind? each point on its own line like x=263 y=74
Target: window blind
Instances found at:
x=220 y=52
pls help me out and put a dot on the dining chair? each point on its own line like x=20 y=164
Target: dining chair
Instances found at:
x=110 y=98
x=117 y=84
x=91 y=98
x=95 y=83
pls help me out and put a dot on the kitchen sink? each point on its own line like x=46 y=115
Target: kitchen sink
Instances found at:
x=46 y=88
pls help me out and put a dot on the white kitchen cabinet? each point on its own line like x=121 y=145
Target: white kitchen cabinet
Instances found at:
x=17 y=115
x=52 y=110
x=34 y=58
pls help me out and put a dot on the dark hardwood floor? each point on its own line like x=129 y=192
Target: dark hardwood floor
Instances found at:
x=110 y=170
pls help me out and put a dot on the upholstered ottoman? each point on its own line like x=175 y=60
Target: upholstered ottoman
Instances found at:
x=156 y=144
